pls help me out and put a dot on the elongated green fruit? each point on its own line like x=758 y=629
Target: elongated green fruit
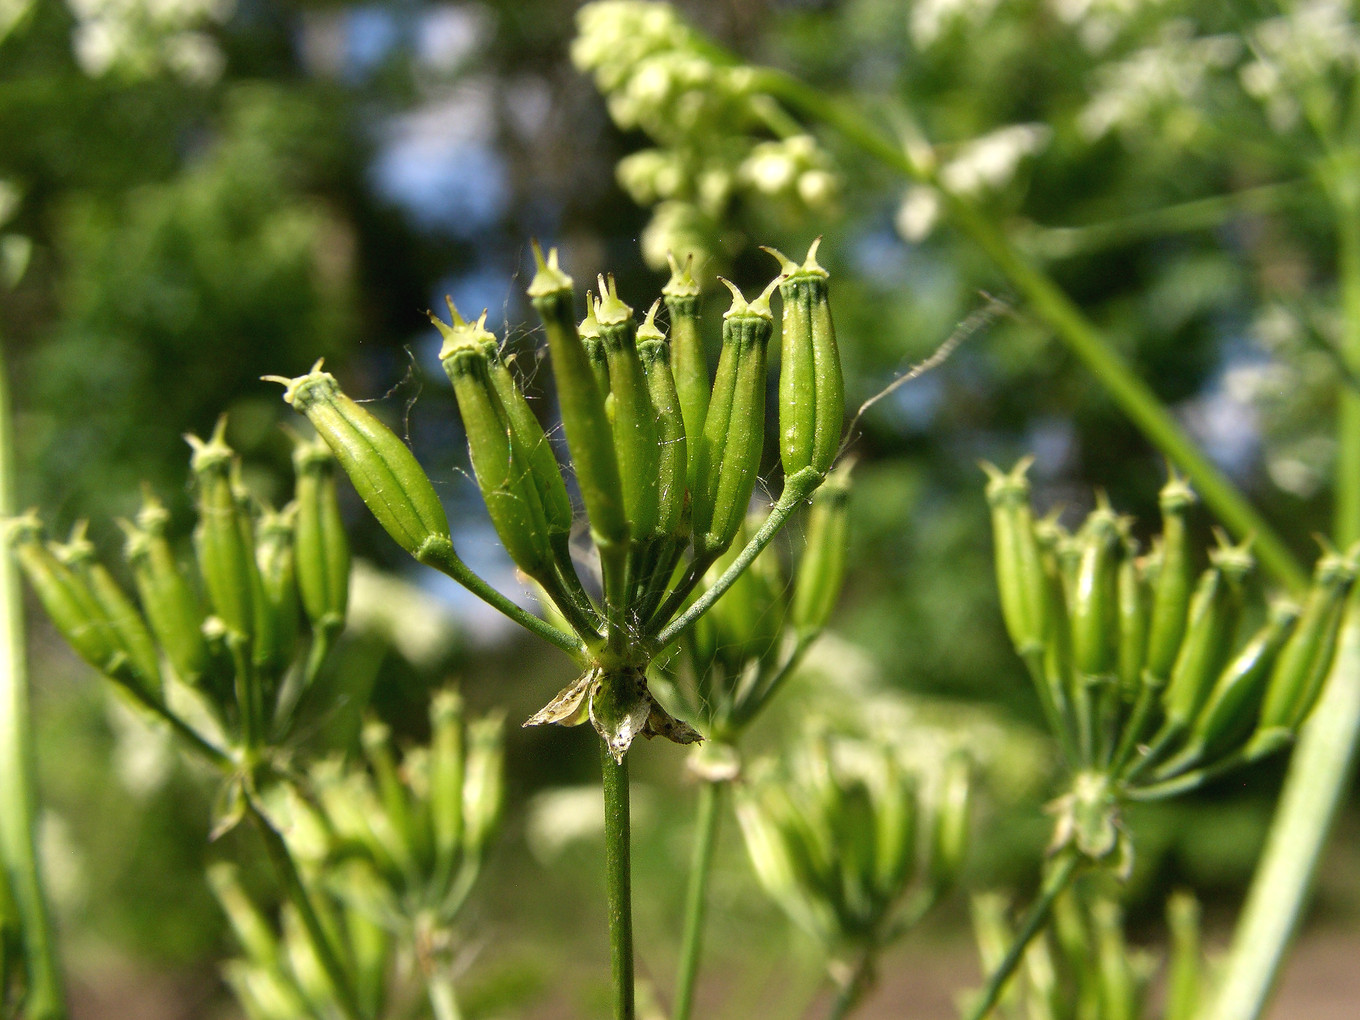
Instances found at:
x=1231 y=708
x=1298 y=675
x=226 y=557
x=636 y=442
x=529 y=436
x=672 y=467
x=171 y=604
x=1021 y=580
x=1175 y=580
x=689 y=362
x=811 y=386
x=277 y=613
x=591 y=340
x=1133 y=621
x=447 y=766
x=384 y=472
x=1214 y=610
x=821 y=569
x=951 y=823
x=484 y=785
x=589 y=434
x=500 y=464
x=322 y=548
x=68 y=602
x=734 y=431
x=1094 y=606
x=895 y=818
x=124 y=618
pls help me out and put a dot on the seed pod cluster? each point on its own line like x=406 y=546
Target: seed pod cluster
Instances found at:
x=850 y=843
x=1155 y=671
x=228 y=623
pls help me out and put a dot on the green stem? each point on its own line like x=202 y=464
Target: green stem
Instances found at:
x=796 y=491
x=618 y=878
x=852 y=991
x=1058 y=880
x=1055 y=308
x=18 y=797
x=443 y=1001
x=447 y=562
x=1318 y=777
x=1346 y=527
x=296 y=891
x=696 y=896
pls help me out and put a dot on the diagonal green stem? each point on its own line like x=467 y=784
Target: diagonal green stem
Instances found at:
x=18 y=855
x=1056 y=309
x=618 y=878
x=696 y=896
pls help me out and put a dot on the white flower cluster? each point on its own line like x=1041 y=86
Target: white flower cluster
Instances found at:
x=932 y=19
x=11 y=13
x=1295 y=54
x=659 y=75
x=1157 y=86
x=1100 y=23
x=142 y=38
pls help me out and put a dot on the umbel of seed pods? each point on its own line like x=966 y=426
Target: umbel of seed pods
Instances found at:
x=665 y=459
x=1155 y=674
x=229 y=626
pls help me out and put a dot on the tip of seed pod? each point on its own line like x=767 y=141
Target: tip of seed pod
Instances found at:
x=786 y=265
x=1013 y=483
x=682 y=282
x=759 y=306
x=298 y=391
x=649 y=330
x=1176 y=494
x=308 y=453
x=446 y=706
x=1236 y=561
x=549 y=278
x=810 y=264
x=609 y=310
x=77 y=548
x=590 y=326
x=212 y=454
x=153 y=514
x=27 y=527
x=462 y=335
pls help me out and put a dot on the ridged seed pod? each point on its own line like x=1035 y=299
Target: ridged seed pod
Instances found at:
x=951 y=822
x=1133 y=621
x=384 y=472
x=589 y=434
x=1094 y=606
x=593 y=343
x=672 y=470
x=1297 y=678
x=1021 y=578
x=222 y=539
x=689 y=361
x=1175 y=580
x=171 y=605
x=447 y=767
x=811 y=386
x=124 y=618
x=499 y=463
x=322 y=548
x=728 y=452
x=636 y=443
x=277 y=612
x=821 y=568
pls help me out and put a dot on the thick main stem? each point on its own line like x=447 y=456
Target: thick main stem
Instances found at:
x=618 y=878
x=18 y=855
x=696 y=896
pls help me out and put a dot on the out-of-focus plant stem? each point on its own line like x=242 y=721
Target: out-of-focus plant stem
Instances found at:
x=1321 y=766
x=696 y=896
x=44 y=999
x=618 y=879
x=1056 y=309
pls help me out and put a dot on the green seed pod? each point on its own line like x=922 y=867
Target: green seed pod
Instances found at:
x=277 y=612
x=375 y=737
x=1185 y=973
x=484 y=787
x=689 y=362
x=1133 y=621
x=595 y=352
x=501 y=466
x=124 y=618
x=950 y=822
x=322 y=554
x=172 y=606
x=636 y=443
x=1175 y=579
x=385 y=473
x=255 y=934
x=1231 y=708
x=1021 y=578
x=896 y=818
x=529 y=436
x=748 y=619
x=811 y=387
x=672 y=489
x=1094 y=605
x=1297 y=678
x=226 y=556
x=589 y=434
x=821 y=569
x=729 y=450
x=1214 y=610
x=69 y=603
x=447 y=764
